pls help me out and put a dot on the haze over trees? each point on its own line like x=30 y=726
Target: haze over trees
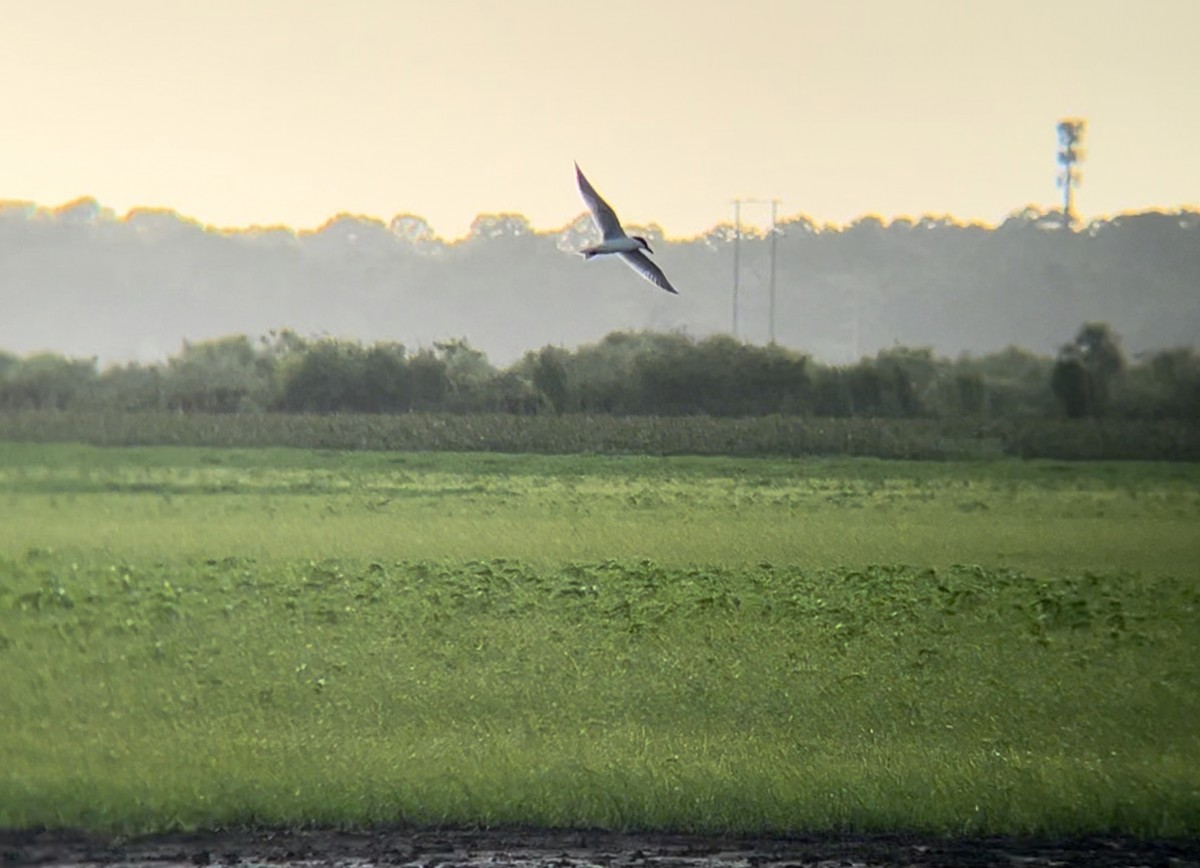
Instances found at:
x=79 y=281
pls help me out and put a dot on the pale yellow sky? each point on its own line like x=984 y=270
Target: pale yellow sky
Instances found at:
x=240 y=112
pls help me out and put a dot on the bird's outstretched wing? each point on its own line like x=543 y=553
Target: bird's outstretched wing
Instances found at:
x=643 y=265
x=603 y=214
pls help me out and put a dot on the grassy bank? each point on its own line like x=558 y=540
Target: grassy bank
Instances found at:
x=198 y=637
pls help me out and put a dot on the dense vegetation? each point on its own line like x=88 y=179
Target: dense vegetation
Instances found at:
x=578 y=433
x=626 y=374
x=204 y=637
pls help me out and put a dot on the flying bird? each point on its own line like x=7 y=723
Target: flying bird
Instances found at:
x=628 y=247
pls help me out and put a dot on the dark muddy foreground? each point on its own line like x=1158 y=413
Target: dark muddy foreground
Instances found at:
x=525 y=848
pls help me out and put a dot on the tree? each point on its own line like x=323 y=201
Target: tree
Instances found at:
x=1166 y=385
x=768 y=379
x=970 y=393
x=1085 y=370
x=550 y=377
x=428 y=380
x=327 y=378
x=915 y=378
x=45 y=381
x=467 y=372
x=1071 y=385
x=498 y=226
x=1070 y=154
x=385 y=384
x=9 y=364
x=219 y=376
x=412 y=230
x=131 y=387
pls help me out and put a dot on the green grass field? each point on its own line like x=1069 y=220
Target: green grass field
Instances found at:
x=203 y=637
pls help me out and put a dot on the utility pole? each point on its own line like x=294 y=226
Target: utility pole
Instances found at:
x=737 y=257
x=771 y=327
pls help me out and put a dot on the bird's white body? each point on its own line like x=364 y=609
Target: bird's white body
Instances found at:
x=621 y=244
x=628 y=247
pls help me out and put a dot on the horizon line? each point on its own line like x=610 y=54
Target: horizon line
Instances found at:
x=34 y=210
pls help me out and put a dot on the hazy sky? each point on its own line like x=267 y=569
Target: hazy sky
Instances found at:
x=240 y=112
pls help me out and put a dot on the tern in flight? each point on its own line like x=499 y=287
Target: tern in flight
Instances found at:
x=629 y=247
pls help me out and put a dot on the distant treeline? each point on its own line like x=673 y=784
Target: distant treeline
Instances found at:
x=625 y=374
x=79 y=277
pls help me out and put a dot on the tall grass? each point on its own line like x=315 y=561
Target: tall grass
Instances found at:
x=937 y=439
x=203 y=637
x=143 y=695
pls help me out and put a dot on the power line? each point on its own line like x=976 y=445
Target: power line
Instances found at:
x=737 y=258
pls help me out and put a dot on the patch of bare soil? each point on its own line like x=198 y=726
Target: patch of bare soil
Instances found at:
x=532 y=848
